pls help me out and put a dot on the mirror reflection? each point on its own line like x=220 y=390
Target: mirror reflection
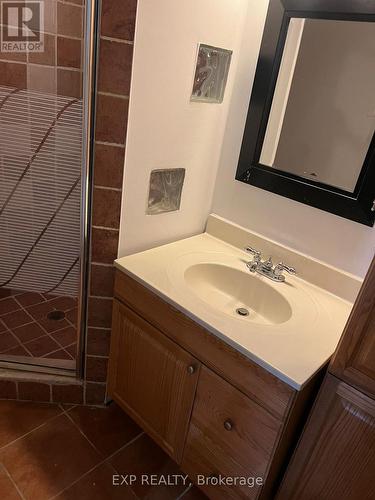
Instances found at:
x=323 y=111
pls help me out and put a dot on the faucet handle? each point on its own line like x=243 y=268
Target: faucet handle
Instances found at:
x=254 y=252
x=280 y=267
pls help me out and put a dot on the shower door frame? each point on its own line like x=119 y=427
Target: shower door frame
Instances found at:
x=89 y=83
x=92 y=24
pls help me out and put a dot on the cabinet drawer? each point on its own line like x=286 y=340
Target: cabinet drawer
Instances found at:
x=229 y=435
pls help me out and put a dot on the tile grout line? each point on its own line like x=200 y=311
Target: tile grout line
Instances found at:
x=103 y=264
x=100 y=297
x=49 y=334
x=35 y=320
x=101 y=328
x=18 y=341
x=106 y=228
x=46 y=333
x=98 y=464
x=125 y=97
x=113 y=144
x=39 y=65
x=76 y=341
x=2 y=466
x=19 y=326
x=119 y=40
x=81 y=431
x=118 y=190
x=185 y=491
x=66 y=2
x=35 y=428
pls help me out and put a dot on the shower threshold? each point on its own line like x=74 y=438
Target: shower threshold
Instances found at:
x=64 y=367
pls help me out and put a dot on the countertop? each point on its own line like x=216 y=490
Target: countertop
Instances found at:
x=293 y=350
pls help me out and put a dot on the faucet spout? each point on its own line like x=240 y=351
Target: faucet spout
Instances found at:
x=266 y=267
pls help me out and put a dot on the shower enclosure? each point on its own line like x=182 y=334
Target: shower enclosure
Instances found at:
x=45 y=142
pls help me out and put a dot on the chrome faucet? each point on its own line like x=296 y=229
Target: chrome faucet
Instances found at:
x=266 y=267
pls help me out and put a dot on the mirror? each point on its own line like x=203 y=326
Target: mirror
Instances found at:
x=309 y=133
x=322 y=116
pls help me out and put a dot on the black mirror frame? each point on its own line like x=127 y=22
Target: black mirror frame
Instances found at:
x=357 y=206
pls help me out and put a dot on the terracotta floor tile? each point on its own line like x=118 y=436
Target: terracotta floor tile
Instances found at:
x=7 y=341
x=7 y=489
x=30 y=298
x=72 y=315
x=51 y=325
x=49 y=459
x=97 y=485
x=143 y=456
x=107 y=428
x=72 y=350
x=194 y=494
x=17 y=351
x=16 y=319
x=28 y=332
x=29 y=322
x=41 y=346
x=60 y=354
x=16 y=418
x=8 y=305
x=65 y=337
x=64 y=303
x=4 y=292
x=41 y=310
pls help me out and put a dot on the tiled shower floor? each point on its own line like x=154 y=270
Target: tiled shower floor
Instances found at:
x=26 y=330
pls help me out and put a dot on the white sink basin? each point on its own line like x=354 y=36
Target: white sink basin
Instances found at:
x=292 y=327
x=227 y=289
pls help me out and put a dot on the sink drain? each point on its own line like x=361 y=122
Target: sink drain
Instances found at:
x=56 y=315
x=242 y=311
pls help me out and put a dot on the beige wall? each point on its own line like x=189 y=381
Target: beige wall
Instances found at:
x=337 y=241
x=165 y=129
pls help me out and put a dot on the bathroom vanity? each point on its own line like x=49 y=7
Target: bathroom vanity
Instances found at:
x=224 y=395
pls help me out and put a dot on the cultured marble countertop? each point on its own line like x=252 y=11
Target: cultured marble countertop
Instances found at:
x=293 y=350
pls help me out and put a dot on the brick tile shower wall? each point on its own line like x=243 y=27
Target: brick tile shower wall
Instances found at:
x=58 y=69
x=115 y=62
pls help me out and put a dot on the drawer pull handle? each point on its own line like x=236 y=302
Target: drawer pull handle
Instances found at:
x=191 y=369
x=228 y=425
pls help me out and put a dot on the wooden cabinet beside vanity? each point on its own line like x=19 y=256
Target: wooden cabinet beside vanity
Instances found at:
x=214 y=411
x=335 y=456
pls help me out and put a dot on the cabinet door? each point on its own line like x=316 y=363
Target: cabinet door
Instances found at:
x=354 y=360
x=335 y=458
x=229 y=435
x=152 y=379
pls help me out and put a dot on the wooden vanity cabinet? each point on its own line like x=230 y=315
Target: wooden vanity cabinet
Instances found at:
x=152 y=379
x=230 y=435
x=354 y=359
x=335 y=457
x=214 y=411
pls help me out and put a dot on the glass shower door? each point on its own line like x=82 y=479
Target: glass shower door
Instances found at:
x=41 y=166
